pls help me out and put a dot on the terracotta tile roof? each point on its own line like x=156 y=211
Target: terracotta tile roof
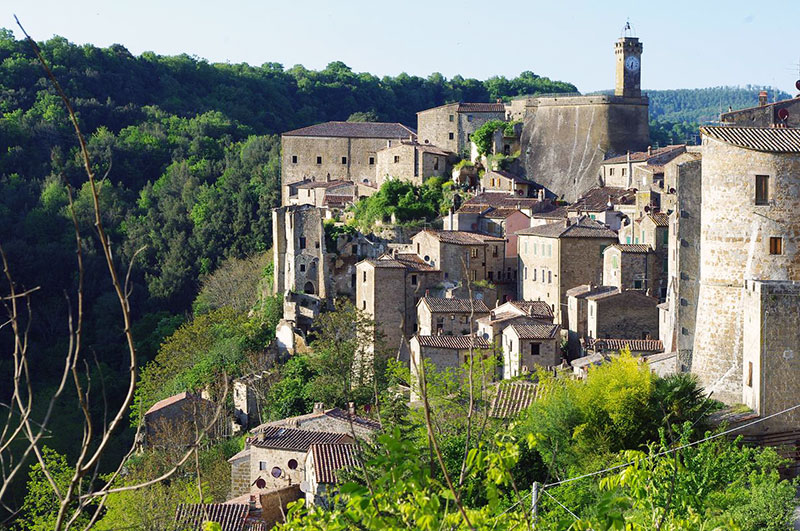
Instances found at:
x=508 y=175
x=591 y=359
x=597 y=199
x=174 y=399
x=452 y=342
x=481 y=107
x=660 y=219
x=330 y=458
x=355 y=130
x=585 y=290
x=767 y=139
x=323 y=184
x=413 y=262
x=502 y=213
x=628 y=293
x=631 y=247
x=468 y=208
x=230 y=516
x=511 y=398
x=333 y=413
x=502 y=199
x=635 y=345
x=640 y=156
x=439 y=304
x=460 y=237
x=602 y=293
x=535 y=331
x=660 y=356
x=292 y=439
x=433 y=150
x=337 y=200
x=556 y=213
x=536 y=309
x=584 y=227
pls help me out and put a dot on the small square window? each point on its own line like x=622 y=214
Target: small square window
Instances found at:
x=319 y=160
x=344 y=160
x=372 y=161
x=262 y=465
x=413 y=280
x=450 y=136
x=452 y=117
x=776 y=245
x=396 y=159
x=294 y=159
x=302 y=267
x=302 y=242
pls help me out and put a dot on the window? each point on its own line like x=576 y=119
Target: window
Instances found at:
x=436 y=163
x=396 y=159
x=525 y=273
x=451 y=117
x=473 y=252
x=292 y=464
x=365 y=276
x=542 y=274
x=611 y=171
x=474 y=275
x=591 y=310
x=302 y=242
x=534 y=273
x=316 y=245
x=494 y=251
x=450 y=136
x=364 y=305
x=775 y=245
x=372 y=161
x=535 y=349
x=549 y=277
x=490 y=275
x=262 y=465
x=637 y=284
x=276 y=472
x=469 y=117
x=749 y=374
x=614 y=262
x=294 y=159
x=762 y=189
x=302 y=267
x=344 y=160
x=354 y=249
x=623 y=172
x=413 y=280
x=319 y=160
x=535 y=249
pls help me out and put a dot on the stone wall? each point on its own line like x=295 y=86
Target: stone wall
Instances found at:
x=766 y=115
x=268 y=458
x=626 y=270
x=581 y=263
x=771 y=351
x=565 y=139
x=735 y=238
x=398 y=162
x=435 y=126
x=240 y=476
x=627 y=315
x=380 y=292
x=299 y=257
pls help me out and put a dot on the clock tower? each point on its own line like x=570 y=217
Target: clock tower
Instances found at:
x=628 y=51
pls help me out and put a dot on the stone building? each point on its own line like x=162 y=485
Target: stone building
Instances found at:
x=345 y=151
x=651 y=230
x=606 y=204
x=637 y=347
x=445 y=353
x=633 y=266
x=333 y=420
x=170 y=423
x=784 y=113
x=298 y=240
x=558 y=256
x=526 y=205
x=505 y=181
x=526 y=346
x=323 y=464
x=388 y=289
x=450 y=126
x=567 y=160
x=315 y=192
x=450 y=317
x=412 y=162
x=578 y=308
x=490 y=327
x=639 y=169
x=749 y=232
x=621 y=314
x=480 y=256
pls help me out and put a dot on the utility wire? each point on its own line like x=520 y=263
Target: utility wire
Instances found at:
x=575 y=516
x=660 y=454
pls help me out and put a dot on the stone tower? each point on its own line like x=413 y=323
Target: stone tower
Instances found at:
x=628 y=51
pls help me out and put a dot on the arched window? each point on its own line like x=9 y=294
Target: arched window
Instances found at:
x=308 y=288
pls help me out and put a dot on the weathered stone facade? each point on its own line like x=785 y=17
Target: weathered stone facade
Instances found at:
x=412 y=162
x=631 y=267
x=437 y=316
x=737 y=228
x=449 y=126
x=527 y=346
x=298 y=238
x=480 y=256
x=766 y=114
x=335 y=151
x=623 y=315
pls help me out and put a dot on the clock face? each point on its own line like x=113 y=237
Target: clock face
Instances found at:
x=632 y=64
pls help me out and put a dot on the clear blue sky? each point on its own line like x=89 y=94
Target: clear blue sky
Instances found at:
x=699 y=43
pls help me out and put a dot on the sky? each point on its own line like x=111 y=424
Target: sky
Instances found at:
x=687 y=44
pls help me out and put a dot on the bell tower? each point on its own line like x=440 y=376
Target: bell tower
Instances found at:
x=628 y=51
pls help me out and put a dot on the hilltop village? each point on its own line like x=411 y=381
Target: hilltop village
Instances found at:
x=570 y=238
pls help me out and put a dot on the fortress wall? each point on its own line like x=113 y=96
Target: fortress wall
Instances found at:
x=735 y=237
x=564 y=140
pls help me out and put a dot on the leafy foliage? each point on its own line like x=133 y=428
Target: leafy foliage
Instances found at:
x=402 y=199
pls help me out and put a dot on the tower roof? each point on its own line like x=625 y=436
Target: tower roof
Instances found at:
x=766 y=139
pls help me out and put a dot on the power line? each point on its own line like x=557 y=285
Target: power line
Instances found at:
x=575 y=516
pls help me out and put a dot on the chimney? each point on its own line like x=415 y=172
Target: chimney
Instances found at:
x=351 y=408
x=427 y=293
x=451 y=219
x=649 y=150
x=328 y=178
x=319 y=407
x=491 y=315
x=610 y=203
x=762 y=98
x=499 y=100
x=566 y=223
x=252 y=502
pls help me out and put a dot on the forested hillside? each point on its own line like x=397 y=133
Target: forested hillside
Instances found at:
x=705 y=104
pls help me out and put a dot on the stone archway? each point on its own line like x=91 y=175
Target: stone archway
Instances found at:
x=308 y=289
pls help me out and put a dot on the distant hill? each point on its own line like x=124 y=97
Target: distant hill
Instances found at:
x=705 y=105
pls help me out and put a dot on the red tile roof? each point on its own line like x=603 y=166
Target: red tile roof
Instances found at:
x=511 y=398
x=291 y=439
x=640 y=156
x=453 y=342
x=597 y=199
x=355 y=130
x=324 y=184
x=439 y=304
x=481 y=107
x=502 y=199
x=635 y=345
x=460 y=237
x=333 y=413
x=230 y=516
x=584 y=227
x=331 y=458
x=535 y=309
x=660 y=219
x=535 y=331
x=174 y=399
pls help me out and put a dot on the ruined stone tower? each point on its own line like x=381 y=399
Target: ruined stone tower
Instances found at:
x=566 y=138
